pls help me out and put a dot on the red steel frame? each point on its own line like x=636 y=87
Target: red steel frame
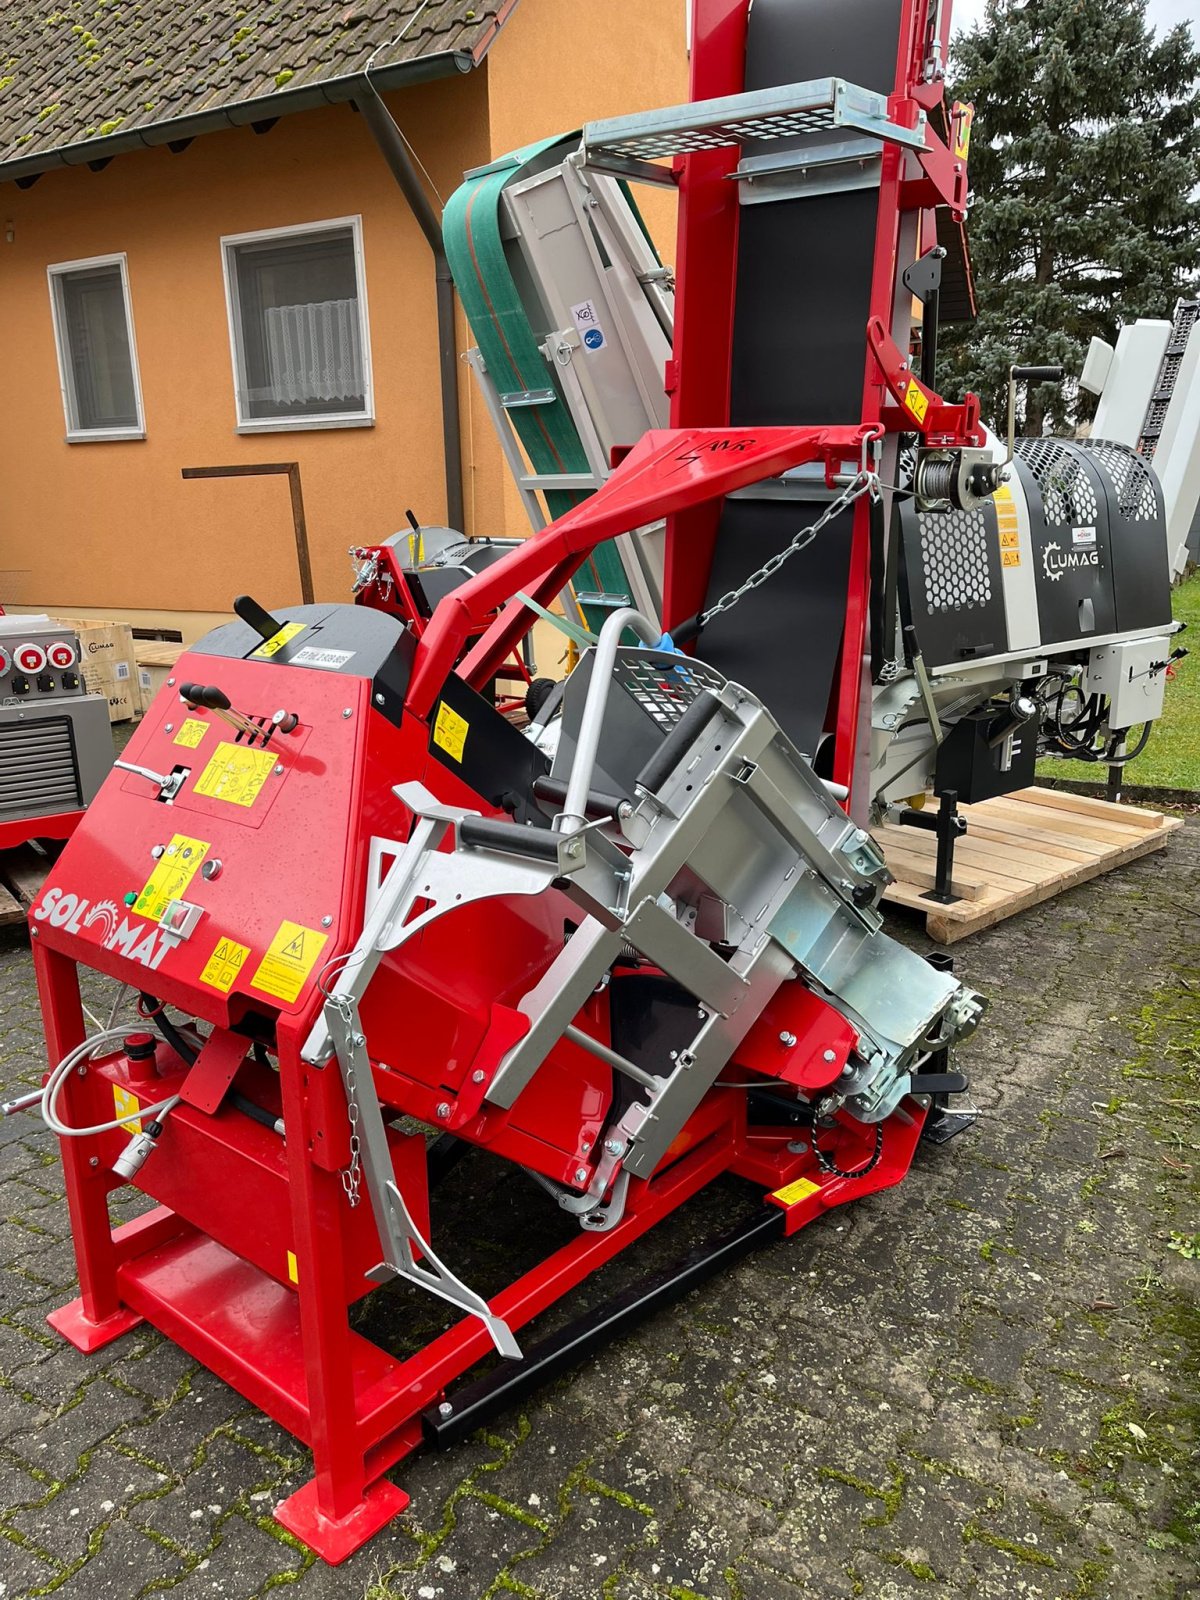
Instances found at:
x=20 y=830
x=284 y=1340
x=698 y=376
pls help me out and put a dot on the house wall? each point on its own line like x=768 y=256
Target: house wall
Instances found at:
x=110 y=529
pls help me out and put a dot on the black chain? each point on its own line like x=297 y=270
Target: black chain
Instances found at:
x=827 y=1164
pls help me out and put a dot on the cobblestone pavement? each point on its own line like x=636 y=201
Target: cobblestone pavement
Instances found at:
x=982 y=1383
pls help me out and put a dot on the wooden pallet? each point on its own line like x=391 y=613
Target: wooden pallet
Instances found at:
x=22 y=874
x=1017 y=851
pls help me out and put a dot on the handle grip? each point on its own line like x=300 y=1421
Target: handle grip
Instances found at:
x=687 y=630
x=256 y=616
x=1036 y=374
x=201 y=695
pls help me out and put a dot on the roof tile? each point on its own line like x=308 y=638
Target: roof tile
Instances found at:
x=74 y=71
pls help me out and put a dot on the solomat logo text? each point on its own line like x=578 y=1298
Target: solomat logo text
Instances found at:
x=137 y=940
x=1056 y=560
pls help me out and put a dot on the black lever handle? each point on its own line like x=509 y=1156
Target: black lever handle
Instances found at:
x=687 y=630
x=209 y=696
x=1036 y=374
x=256 y=616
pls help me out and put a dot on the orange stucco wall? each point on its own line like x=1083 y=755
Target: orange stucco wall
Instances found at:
x=111 y=528
x=101 y=525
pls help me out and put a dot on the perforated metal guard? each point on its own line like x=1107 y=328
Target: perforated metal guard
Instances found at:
x=757 y=117
x=1132 y=483
x=1068 y=496
x=664 y=685
x=954 y=554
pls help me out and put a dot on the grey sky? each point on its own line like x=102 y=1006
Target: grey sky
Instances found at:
x=1162 y=13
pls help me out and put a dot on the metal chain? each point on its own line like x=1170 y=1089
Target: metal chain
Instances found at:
x=864 y=483
x=351 y=1175
x=828 y=1165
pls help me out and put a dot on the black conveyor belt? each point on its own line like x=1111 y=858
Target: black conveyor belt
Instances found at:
x=799 y=356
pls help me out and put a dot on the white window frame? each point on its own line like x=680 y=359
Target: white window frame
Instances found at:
x=333 y=419
x=65 y=373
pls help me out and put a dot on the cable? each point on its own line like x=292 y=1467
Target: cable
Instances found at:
x=53 y=1086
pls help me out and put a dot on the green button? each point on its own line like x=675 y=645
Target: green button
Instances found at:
x=131 y=897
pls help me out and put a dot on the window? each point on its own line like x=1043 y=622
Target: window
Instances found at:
x=97 y=357
x=298 y=327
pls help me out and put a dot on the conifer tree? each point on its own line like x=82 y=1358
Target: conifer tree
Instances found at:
x=1084 y=162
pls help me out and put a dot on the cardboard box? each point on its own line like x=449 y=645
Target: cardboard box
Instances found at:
x=106 y=663
x=155 y=664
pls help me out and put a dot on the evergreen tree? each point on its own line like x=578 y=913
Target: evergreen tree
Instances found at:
x=1085 y=161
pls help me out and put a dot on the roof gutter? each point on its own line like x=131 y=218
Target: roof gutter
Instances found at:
x=264 y=108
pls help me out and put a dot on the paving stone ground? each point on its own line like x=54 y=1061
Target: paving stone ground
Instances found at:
x=982 y=1383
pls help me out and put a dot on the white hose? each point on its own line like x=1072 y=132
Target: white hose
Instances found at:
x=62 y=1072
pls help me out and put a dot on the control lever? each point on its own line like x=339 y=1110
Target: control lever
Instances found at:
x=168 y=785
x=214 y=699
x=1018 y=375
x=256 y=616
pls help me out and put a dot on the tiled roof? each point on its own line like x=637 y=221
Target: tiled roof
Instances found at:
x=85 y=75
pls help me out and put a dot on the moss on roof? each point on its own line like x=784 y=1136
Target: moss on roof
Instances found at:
x=78 y=70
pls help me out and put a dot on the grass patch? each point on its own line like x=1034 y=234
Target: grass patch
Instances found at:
x=1172 y=758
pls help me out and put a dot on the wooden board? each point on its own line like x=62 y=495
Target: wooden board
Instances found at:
x=1018 y=850
x=22 y=874
x=10 y=909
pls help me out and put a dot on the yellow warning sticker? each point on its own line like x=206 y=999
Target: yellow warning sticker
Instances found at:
x=450 y=731
x=235 y=774
x=277 y=640
x=191 y=732
x=127 y=1108
x=223 y=966
x=916 y=401
x=793 y=1192
x=1010 y=539
x=290 y=958
x=1010 y=558
x=176 y=868
x=293 y=1268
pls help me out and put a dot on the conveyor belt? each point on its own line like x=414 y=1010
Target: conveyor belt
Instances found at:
x=799 y=356
x=472 y=227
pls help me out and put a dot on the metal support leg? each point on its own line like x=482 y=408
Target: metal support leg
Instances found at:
x=97 y=1316
x=949 y=826
x=1116 y=776
x=337 y=1511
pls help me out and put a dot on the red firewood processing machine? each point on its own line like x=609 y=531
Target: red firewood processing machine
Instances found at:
x=648 y=960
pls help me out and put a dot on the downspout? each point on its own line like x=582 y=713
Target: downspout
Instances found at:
x=395 y=152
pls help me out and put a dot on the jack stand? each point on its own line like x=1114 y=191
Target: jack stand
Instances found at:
x=949 y=826
x=1116 y=776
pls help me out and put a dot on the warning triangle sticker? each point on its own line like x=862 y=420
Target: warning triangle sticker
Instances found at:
x=295 y=949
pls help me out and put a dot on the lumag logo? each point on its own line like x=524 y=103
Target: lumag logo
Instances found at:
x=1056 y=560
x=133 y=939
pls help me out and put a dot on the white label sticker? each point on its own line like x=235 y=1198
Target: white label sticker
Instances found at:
x=587 y=320
x=314 y=656
x=121 y=671
x=1083 y=536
